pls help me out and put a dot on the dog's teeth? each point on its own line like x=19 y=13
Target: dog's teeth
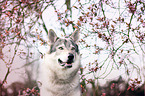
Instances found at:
x=62 y=64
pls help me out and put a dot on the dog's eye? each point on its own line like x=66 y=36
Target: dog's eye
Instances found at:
x=61 y=48
x=73 y=48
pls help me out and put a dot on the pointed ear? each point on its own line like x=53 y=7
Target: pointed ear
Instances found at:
x=52 y=36
x=75 y=36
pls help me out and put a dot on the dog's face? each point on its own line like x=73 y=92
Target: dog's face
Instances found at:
x=65 y=50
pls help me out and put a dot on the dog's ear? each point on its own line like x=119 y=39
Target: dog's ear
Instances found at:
x=75 y=36
x=52 y=36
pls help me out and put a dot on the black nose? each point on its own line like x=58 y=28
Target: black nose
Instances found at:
x=70 y=56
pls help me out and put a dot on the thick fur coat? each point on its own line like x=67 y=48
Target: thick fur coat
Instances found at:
x=59 y=70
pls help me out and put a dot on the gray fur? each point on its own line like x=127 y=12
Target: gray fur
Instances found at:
x=52 y=36
x=66 y=42
x=75 y=36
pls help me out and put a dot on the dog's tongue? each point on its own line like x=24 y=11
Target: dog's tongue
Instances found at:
x=68 y=65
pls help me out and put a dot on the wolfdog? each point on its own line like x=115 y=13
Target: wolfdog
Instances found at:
x=59 y=71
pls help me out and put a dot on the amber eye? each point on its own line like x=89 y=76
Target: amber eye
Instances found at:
x=61 y=48
x=73 y=48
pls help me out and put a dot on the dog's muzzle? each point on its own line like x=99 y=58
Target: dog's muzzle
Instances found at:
x=68 y=63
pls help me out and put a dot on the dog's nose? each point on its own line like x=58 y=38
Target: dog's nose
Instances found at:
x=70 y=56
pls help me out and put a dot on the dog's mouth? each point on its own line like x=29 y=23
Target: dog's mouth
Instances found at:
x=67 y=64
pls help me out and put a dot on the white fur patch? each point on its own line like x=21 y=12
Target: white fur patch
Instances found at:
x=52 y=74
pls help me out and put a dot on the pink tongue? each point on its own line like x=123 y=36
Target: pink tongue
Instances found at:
x=68 y=64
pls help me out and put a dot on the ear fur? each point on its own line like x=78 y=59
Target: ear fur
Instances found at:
x=75 y=36
x=52 y=36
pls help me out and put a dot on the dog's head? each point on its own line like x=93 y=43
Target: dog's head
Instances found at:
x=65 y=50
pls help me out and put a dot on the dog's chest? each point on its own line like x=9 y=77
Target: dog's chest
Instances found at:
x=61 y=87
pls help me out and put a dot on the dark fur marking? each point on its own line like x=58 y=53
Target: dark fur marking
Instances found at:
x=54 y=45
x=76 y=46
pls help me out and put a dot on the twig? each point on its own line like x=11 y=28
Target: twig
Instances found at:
x=6 y=76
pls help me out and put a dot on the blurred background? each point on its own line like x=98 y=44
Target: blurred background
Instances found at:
x=112 y=44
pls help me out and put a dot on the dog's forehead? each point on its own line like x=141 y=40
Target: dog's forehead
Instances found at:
x=66 y=41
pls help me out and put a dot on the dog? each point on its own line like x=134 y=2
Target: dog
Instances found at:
x=59 y=71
